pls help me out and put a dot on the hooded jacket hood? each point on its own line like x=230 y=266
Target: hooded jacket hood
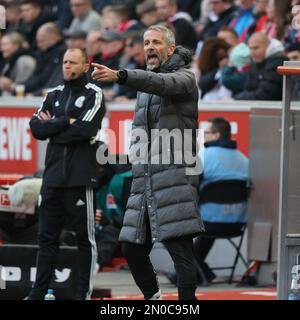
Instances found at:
x=274 y=47
x=181 y=58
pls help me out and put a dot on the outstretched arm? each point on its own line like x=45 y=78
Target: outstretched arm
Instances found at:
x=163 y=84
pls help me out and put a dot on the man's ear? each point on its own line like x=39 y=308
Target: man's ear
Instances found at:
x=86 y=67
x=171 y=50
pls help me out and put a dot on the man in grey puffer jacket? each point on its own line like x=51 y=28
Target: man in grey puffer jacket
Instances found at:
x=162 y=205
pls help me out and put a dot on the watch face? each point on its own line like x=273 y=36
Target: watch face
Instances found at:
x=122 y=74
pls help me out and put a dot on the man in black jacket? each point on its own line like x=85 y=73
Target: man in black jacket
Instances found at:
x=264 y=83
x=70 y=118
x=162 y=205
x=49 y=59
x=167 y=11
x=223 y=13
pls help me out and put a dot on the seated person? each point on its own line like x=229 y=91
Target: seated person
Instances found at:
x=235 y=73
x=111 y=201
x=19 y=62
x=222 y=161
x=264 y=83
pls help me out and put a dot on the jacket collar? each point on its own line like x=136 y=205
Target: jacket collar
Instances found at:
x=228 y=144
x=77 y=83
x=181 y=58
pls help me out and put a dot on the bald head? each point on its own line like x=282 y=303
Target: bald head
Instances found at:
x=258 y=44
x=48 y=35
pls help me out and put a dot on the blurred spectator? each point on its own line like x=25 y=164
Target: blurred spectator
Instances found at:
x=235 y=73
x=222 y=13
x=212 y=59
x=244 y=16
x=264 y=83
x=293 y=52
x=13 y=16
x=64 y=15
x=76 y=39
x=116 y=18
x=85 y=18
x=112 y=50
x=51 y=51
x=19 y=62
x=133 y=58
x=32 y=18
x=167 y=11
x=99 y=5
x=260 y=17
x=192 y=7
x=278 y=19
x=94 y=46
x=229 y=35
x=147 y=12
x=223 y=162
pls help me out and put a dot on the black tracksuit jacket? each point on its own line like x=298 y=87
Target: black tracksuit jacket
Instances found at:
x=71 y=151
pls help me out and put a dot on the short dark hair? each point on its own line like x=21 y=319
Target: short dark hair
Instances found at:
x=222 y=126
x=35 y=3
x=230 y=30
x=83 y=53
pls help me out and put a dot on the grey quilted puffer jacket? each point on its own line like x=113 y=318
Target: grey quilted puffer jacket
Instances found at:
x=167 y=99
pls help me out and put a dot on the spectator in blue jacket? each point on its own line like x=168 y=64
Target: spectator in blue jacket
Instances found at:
x=222 y=161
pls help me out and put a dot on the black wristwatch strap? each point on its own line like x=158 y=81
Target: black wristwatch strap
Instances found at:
x=122 y=76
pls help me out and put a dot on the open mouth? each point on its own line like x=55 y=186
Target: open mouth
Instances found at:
x=152 y=58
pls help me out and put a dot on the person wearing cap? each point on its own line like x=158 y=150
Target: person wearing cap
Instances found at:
x=163 y=203
x=112 y=50
x=76 y=39
x=235 y=74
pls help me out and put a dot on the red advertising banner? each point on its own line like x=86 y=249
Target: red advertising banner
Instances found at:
x=120 y=122
x=18 y=149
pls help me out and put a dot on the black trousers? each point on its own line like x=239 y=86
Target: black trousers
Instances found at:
x=107 y=243
x=204 y=242
x=58 y=206
x=181 y=252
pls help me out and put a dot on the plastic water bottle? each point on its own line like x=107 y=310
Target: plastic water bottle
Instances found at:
x=294 y=293
x=50 y=295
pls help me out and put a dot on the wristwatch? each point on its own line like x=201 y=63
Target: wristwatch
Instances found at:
x=122 y=76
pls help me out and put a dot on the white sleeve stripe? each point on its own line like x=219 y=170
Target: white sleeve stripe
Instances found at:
x=96 y=107
x=91 y=113
x=87 y=115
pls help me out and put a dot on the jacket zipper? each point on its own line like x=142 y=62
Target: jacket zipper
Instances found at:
x=140 y=220
x=65 y=147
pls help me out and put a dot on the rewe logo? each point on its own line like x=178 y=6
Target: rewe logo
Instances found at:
x=15 y=139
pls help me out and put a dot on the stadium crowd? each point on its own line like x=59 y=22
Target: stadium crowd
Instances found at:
x=237 y=45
